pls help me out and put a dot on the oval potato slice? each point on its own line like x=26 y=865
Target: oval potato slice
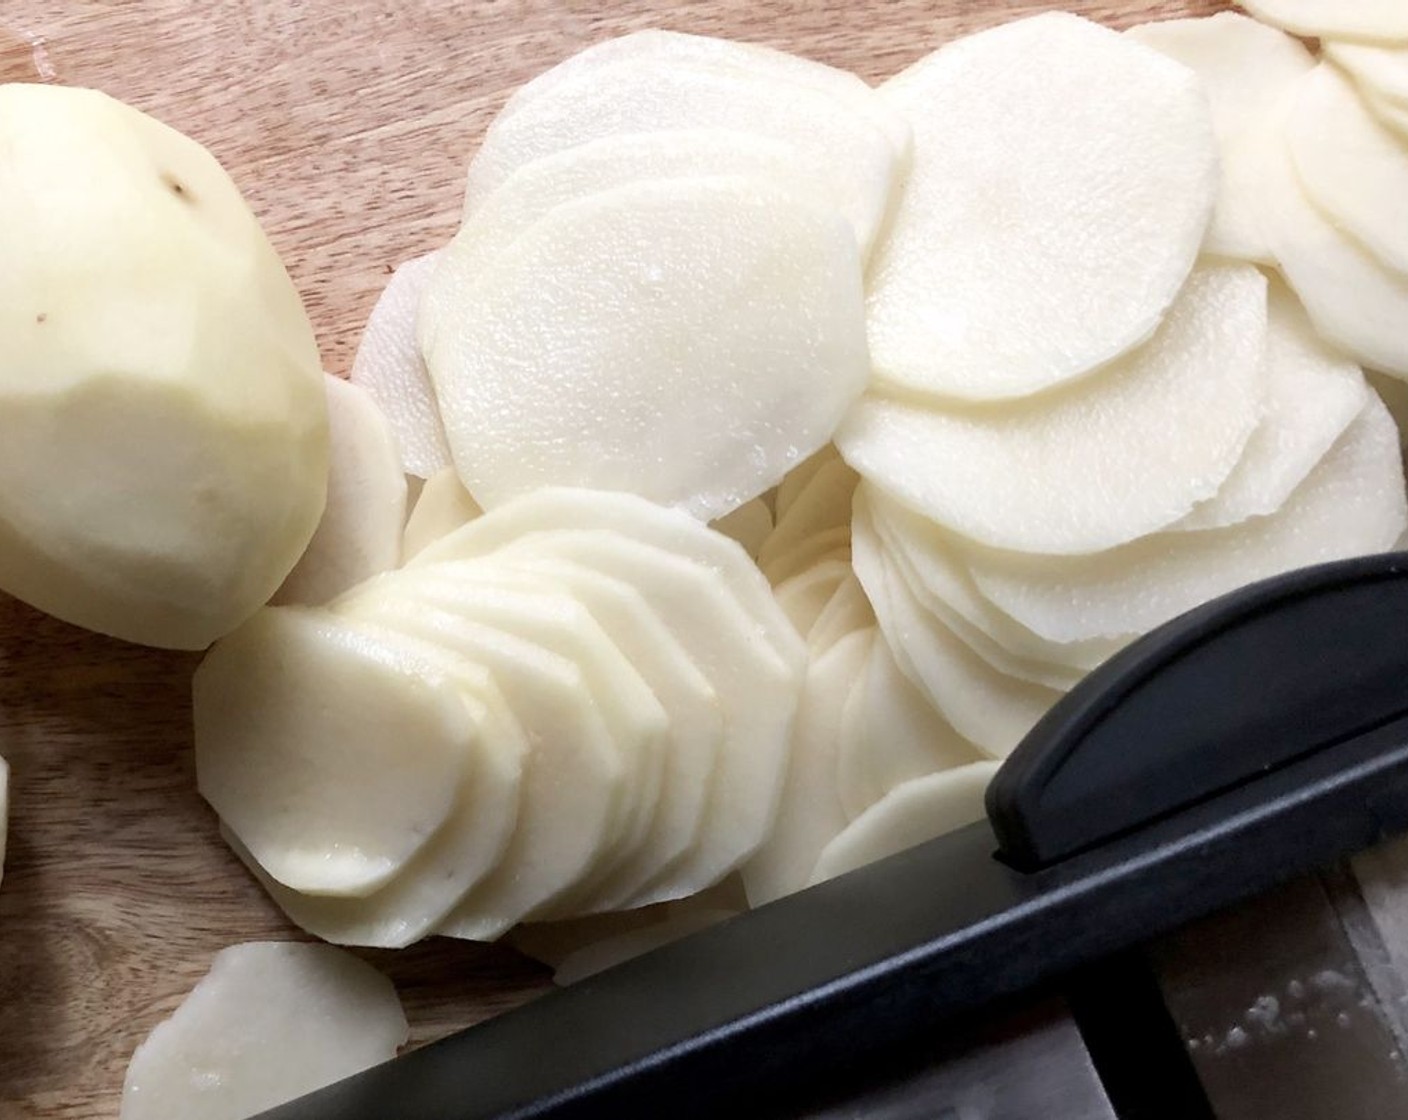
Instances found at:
x=442 y=507
x=1373 y=21
x=1382 y=71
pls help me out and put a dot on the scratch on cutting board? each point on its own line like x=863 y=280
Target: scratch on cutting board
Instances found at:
x=38 y=49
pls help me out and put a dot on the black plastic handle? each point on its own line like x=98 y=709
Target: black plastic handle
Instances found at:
x=1215 y=698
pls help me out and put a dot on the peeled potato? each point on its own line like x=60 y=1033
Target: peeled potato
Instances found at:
x=829 y=544
x=890 y=734
x=442 y=507
x=821 y=505
x=910 y=814
x=1391 y=113
x=1247 y=69
x=1313 y=394
x=1160 y=428
x=1369 y=20
x=849 y=154
x=1353 y=168
x=389 y=366
x=1021 y=254
x=744 y=308
x=847 y=611
x=270 y=1022
x=333 y=757
x=810 y=812
x=163 y=431
x=1351 y=504
x=804 y=596
x=360 y=531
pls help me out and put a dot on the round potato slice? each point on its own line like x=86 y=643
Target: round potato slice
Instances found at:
x=1101 y=462
x=830 y=544
x=1369 y=20
x=890 y=734
x=909 y=814
x=847 y=611
x=810 y=812
x=333 y=757
x=269 y=1022
x=1313 y=394
x=804 y=596
x=389 y=366
x=1022 y=255
x=1390 y=113
x=442 y=507
x=462 y=853
x=1247 y=69
x=1351 y=504
x=847 y=151
x=1352 y=168
x=822 y=504
x=1382 y=71
x=721 y=298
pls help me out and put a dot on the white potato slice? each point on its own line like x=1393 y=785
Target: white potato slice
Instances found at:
x=796 y=480
x=847 y=611
x=269 y=1022
x=848 y=153
x=465 y=850
x=810 y=811
x=1160 y=429
x=749 y=525
x=672 y=48
x=1373 y=21
x=1247 y=69
x=360 y=531
x=442 y=507
x=909 y=814
x=1390 y=113
x=573 y=779
x=1022 y=255
x=1382 y=71
x=695 y=719
x=1352 y=168
x=988 y=708
x=942 y=583
x=725 y=298
x=523 y=604
x=757 y=690
x=333 y=757
x=804 y=596
x=1313 y=394
x=890 y=734
x=389 y=366
x=823 y=503
x=4 y=812
x=609 y=952
x=1355 y=302
x=1351 y=504
x=831 y=544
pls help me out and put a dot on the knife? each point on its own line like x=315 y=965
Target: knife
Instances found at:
x=1255 y=739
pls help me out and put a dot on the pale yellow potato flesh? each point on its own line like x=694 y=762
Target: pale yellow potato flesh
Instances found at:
x=749 y=525
x=442 y=507
x=1370 y=21
x=804 y=596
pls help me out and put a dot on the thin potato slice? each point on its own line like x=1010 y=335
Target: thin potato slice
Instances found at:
x=1022 y=255
x=389 y=366
x=804 y=596
x=744 y=306
x=360 y=531
x=269 y=1022
x=333 y=757
x=847 y=611
x=829 y=544
x=750 y=525
x=1160 y=429
x=1393 y=114
x=1351 y=504
x=1247 y=68
x=810 y=812
x=910 y=814
x=442 y=507
x=1382 y=71
x=1373 y=21
x=822 y=503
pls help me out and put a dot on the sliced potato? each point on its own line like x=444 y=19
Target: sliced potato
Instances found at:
x=1390 y=113
x=1355 y=302
x=830 y=544
x=389 y=366
x=360 y=531
x=848 y=151
x=804 y=596
x=987 y=707
x=1382 y=71
x=270 y=1021
x=1352 y=167
x=810 y=812
x=796 y=480
x=573 y=779
x=442 y=507
x=462 y=853
x=333 y=757
x=1352 y=503
x=749 y=525
x=890 y=734
x=1373 y=21
x=1021 y=255
x=1247 y=69
x=745 y=306
x=910 y=814
x=1313 y=394
x=823 y=503
x=1161 y=428
x=847 y=611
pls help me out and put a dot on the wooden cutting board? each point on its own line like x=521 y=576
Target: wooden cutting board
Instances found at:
x=347 y=123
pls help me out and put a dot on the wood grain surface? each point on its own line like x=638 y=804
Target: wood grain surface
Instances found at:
x=347 y=123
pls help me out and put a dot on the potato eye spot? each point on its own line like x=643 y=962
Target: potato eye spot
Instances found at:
x=176 y=187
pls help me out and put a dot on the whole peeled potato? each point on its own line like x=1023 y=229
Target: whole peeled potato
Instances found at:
x=163 y=427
